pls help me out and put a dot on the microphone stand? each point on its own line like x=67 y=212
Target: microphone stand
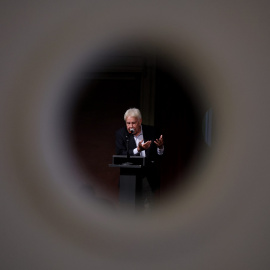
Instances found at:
x=127 y=144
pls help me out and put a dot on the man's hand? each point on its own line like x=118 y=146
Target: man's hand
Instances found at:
x=159 y=142
x=143 y=146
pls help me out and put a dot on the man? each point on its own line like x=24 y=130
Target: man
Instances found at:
x=143 y=141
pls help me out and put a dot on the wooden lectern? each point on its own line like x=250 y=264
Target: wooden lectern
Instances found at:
x=130 y=175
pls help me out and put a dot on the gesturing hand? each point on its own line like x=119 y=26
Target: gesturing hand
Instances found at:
x=143 y=146
x=159 y=142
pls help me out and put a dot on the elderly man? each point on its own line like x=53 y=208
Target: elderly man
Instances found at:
x=143 y=141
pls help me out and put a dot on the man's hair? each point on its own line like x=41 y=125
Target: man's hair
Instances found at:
x=133 y=112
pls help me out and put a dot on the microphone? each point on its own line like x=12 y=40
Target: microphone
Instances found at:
x=131 y=130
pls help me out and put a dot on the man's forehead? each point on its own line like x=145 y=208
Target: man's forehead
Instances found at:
x=131 y=119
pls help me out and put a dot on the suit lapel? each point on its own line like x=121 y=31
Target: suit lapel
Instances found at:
x=132 y=143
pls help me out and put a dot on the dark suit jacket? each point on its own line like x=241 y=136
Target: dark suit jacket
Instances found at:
x=149 y=134
x=152 y=158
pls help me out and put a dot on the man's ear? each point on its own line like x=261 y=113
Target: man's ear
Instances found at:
x=140 y=121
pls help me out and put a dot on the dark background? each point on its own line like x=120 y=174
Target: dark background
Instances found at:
x=165 y=96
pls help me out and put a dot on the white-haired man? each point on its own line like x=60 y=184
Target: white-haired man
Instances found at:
x=143 y=141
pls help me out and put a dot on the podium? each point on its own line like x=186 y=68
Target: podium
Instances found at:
x=130 y=177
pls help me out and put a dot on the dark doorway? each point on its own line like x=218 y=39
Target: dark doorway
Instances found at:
x=179 y=116
x=165 y=98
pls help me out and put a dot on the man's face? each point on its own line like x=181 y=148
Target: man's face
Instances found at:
x=135 y=123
